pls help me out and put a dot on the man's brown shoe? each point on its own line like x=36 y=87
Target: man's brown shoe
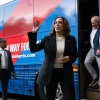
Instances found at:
x=95 y=86
x=99 y=87
x=94 y=82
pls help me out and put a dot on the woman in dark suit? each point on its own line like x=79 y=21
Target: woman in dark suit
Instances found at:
x=60 y=52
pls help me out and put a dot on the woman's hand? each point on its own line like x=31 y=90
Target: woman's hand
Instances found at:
x=14 y=76
x=64 y=59
x=36 y=26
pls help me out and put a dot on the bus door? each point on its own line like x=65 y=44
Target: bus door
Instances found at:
x=87 y=9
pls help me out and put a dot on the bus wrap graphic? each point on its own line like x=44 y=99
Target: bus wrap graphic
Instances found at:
x=16 y=20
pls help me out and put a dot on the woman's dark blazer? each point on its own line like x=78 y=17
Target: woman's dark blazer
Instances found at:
x=48 y=43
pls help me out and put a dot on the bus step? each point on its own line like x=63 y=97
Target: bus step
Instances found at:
x=92 y=94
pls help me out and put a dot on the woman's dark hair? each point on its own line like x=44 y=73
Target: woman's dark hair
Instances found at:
x=66 y=27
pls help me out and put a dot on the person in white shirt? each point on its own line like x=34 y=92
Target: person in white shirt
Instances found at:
x=6 y=67
x=94 y=52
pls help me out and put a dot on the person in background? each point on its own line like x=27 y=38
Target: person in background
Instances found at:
x=6 y=67
x=94 y=52
x=60 y=53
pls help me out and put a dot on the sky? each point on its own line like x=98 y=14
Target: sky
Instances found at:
x=4 y=1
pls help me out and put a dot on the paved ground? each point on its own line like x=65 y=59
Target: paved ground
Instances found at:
x=10 y=99
x=19 y=99
x=29 y=99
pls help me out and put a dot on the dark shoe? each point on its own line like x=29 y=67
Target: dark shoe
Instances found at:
x=94 y=82
x=99 y=87
x=96 y=86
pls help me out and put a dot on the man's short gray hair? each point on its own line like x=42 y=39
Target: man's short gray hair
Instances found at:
x=96 y=17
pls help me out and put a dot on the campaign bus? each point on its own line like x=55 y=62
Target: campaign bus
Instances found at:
x=16 y=20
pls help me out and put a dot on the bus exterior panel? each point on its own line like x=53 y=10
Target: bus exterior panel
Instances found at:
x=17 y=20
